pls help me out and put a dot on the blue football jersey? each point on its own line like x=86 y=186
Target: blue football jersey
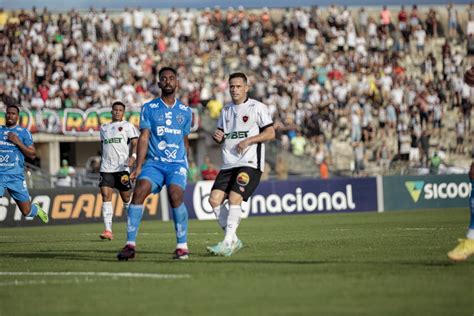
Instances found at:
x=168 y=126
x=12 y=160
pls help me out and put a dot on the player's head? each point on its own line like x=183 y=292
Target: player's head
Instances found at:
x=238 y=87
x=118 y=111
x=168 y=81
x=12 y=115
x=469 y=77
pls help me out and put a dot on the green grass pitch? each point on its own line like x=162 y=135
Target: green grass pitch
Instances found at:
x=338 y=264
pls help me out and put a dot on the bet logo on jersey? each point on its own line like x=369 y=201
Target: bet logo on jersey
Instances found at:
x=124 y=179
x=243 y=179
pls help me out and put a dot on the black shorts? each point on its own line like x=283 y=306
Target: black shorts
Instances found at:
x=241 y=180
x=118 y=180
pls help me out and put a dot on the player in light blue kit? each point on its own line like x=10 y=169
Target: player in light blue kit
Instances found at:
x=165 y=123
x=16 y=143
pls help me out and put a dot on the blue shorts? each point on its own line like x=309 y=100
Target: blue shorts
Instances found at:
x=16 y=186
x=158 y=174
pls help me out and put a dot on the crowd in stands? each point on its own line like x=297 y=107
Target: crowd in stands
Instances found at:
x=376 y=81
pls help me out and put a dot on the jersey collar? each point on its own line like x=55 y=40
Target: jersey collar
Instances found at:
x=166 y=105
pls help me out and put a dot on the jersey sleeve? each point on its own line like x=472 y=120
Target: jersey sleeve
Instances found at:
x=132 y=131
x=102 y=133
x=220 y=121
x=144 y=121
x=263 y=116
x=27 y=138
x=189 y=120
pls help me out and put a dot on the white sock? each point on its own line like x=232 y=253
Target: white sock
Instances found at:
x=222 y=212
x=233 y=221
x=125 y=206
x=183 y=245
x=107 y=213
x=470 y=233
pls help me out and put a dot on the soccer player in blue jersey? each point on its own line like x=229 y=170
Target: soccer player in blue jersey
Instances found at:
x=165 y=123
x=16 y=143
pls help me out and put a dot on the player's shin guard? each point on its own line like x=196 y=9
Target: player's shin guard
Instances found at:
x=470 y=232
x=233 y=221
x=135 y=213
x=107 y=213
x=33 y=212
x=222 y=212
x=180 y=218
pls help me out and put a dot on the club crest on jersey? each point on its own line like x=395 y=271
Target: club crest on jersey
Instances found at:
x=243 y=179
x=245 y=118
x=180 y=119
x=124 y=179
x=120 y=128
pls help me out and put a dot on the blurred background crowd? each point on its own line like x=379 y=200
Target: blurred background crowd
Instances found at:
x=361 y=90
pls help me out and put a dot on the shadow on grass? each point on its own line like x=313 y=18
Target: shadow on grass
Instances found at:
x=146 y=257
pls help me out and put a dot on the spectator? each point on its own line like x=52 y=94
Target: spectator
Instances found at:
x=298 y=144
x=281 y=168
x=193 y=172
x=65 y=174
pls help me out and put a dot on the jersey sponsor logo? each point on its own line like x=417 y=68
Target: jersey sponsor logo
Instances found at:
x=113 y=140
x=161 y=130
x=163 y=145
x=7 y=143
x=183 y=107
x=171 y=154
x=243 y=179
x=245 y=118
x=153 y=105
x=4 y=158
x=180 y=119
x=169 y=115
x=236 y=135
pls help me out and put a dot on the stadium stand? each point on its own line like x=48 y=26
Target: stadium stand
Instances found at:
x=372 y=91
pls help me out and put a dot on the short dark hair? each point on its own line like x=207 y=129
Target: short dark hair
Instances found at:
x=14 y=106
x=238 y=75
x=118 y=103
x=162 y=70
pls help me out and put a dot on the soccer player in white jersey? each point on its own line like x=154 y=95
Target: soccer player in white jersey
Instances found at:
x=119 y=146
x=243 y=127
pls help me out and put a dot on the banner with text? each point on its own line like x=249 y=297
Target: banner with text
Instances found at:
x=425 y=192
x=71 y=206
x=293 y=197
x=76 y=121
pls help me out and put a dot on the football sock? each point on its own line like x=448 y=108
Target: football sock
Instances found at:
x=470 y=232
x=135 y=213
x=126 y=205
x=233 y=221
x=33 y=211
x=180 y=218
x=222 y=212
x=107 y=213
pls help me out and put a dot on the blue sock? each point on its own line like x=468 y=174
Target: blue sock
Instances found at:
x=471 y=205
x=180 y=218
x=33 y=211
x=135 y=213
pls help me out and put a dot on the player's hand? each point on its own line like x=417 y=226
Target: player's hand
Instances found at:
x=131 y=161
x=242 y=146
x=135 y=173
x=218 y=136
x=13 y=138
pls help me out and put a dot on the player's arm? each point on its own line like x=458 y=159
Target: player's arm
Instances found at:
x=219 y=135
x=267 y=134
x=133 y=151
x=142 y=148
x=27 y=151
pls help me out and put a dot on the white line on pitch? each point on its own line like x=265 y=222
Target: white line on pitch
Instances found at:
x=44 y=282
x=103 y=274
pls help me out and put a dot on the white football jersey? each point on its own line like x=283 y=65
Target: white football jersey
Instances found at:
x=115 y=138
x=239 y=122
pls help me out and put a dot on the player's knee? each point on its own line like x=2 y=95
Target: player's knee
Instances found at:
x=139 y=196
x=176 y=198
x=214 y=201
